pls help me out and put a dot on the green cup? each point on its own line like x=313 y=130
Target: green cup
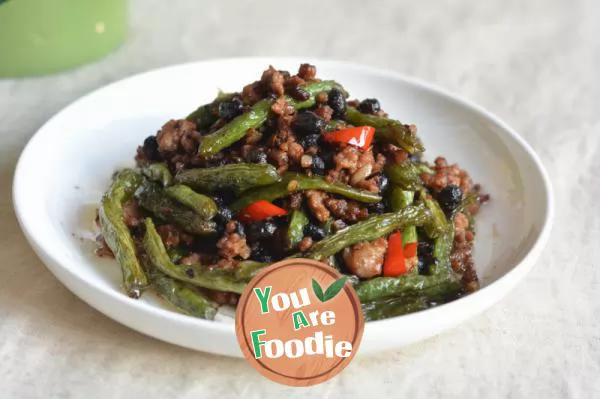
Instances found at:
x=44 y=36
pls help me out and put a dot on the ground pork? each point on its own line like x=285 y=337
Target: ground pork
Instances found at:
x=446 y=175
x=315 y=200
x=272 y=80
x=347 y=210
x=172 y=237
x=177 y=135
x=252 y=93
x=365 y=259
x=461 y=257
x=353 y=166
x=232 y=244
x=307 y=72
x=305 y=244
x=132 y=214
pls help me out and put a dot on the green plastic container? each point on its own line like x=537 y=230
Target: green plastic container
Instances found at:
x=44 y=36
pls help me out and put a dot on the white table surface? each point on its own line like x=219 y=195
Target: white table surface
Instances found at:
x=533 y=63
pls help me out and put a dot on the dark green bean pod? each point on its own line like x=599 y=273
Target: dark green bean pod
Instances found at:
x=247 y=269
x=237 y=177
x=201 y=276
x=255 y=118
x=441 y=282
x=406 y=175
x=159 y=172
x=204 y=206
x=400 y=199
x=295 y=230
x=205 y=115
x=292 y=182
x=393 y=307
x=442 y=247
x=117 y=235
x=369 y=230
x=438 y=222
x=154 y=199
x=387 y=130
x=186 y=298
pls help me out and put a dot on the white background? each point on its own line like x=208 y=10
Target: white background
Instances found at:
x=533 y=63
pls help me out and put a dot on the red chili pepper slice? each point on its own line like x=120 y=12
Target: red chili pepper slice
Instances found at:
x=410 y=250
x=395 y=263
x=360 y=136
x=260 y=210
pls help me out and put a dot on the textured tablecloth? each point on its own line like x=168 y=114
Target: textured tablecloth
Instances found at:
x=533 y=63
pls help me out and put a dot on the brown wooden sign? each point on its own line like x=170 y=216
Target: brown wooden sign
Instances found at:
x=299 y=322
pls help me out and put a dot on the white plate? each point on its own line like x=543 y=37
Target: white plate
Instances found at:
x=67 y=165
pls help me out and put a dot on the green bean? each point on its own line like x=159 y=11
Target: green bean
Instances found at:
x=247 y=269
x=442 y=282
x=256 y=117
x=369 y=230
x=183 y=297
x=442 y=247
x=393 y=307
x=201 y=276
x=438 y=221
x=400 y=199
x=387 y=130
x=292 y=182
x=159 y=172
x=208 y=114
x=204 y=206
x=117 y=235
x=295 y=230
x=154 y=199
x=237 y=177
x=405 y=175
x=236 y=129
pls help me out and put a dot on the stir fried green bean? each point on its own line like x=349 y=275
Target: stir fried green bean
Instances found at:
x=237 y=177
x=117 y=235
x=201 y=276
x=204 y=206
x=292 y=182
x=153 y=198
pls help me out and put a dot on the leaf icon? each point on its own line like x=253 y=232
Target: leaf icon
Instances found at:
x=318 y=290
x=330 y=292
x=335 y=288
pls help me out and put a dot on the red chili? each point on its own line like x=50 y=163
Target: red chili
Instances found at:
x=260 y=210
x=410 y=250
x=395 y=263
x=360 y=136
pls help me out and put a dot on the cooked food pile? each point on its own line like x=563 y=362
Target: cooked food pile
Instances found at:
x=289 y=167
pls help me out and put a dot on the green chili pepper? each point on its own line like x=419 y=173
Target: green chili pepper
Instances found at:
x=204 y=206
x=117 y=235
x=237 y=177
x=292 y=182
